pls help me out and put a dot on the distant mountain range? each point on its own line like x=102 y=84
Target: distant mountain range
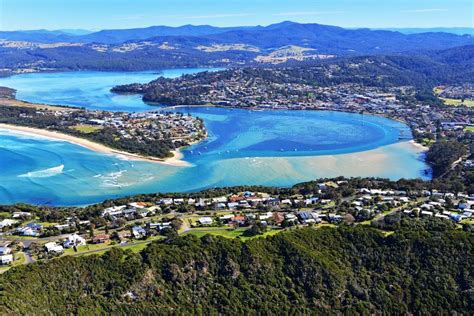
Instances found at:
x=452 y=30
x=191 y=46
x=114 y=36
x=288 y=31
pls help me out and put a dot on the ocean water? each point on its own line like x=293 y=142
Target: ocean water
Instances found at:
x=244 y=147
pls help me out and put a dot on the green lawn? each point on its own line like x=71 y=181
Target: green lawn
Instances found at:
x=457 y=102
x=469 y=129
x=47 y=224
x=85 y=248
x=99 y=249
x=229 y=233
x=453 y=102
x=437 y=90
x=136 y=248
x=19 y=238
x=18 y=259
x=86 y=129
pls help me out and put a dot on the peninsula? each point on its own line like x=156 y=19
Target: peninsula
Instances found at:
x=154 y=137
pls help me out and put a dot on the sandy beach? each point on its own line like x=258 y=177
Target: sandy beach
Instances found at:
x=176 y=160
x=418 y=145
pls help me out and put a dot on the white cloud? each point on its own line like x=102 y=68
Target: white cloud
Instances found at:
x=423 y=10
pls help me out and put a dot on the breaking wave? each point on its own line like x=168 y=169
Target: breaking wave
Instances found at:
x=45 y=173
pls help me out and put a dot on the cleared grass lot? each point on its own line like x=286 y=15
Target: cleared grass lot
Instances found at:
x=86 y=129
x=229 y=233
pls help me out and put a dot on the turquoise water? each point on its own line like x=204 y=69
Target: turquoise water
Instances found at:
x=244 y=147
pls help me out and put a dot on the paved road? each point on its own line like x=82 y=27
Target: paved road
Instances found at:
x=29 y=259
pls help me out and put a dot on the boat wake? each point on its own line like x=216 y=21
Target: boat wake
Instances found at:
x=45 y=173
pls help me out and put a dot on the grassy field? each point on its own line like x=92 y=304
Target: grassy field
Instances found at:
x=88 y=247
x=229 y=233
x=453 y=102
x=469 y=129
x=99 y=249
x=136 y=248
x=457 y=102
x=86 y=129
x=437 y=90
x=46 y=224
x=18 y=259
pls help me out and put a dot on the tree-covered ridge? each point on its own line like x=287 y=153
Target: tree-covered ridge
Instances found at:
x=443 y=155
x=424 y=267
x=193 y=46
x=302 y=79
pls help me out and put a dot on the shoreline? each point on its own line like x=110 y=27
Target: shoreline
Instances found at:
x=259 y=109
x=175 y=160
x=418 y=145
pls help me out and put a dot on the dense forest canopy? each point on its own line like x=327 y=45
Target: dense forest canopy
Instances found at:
x=425 y=267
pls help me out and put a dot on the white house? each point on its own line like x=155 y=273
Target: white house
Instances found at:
x=114 y=210
x=62 y=226
x=53 y=247
x=4 y=248
x=20 y=214
x=6 y=259
x=266 y=215
x=7 y=222
x=74 y=240
x=205 y=221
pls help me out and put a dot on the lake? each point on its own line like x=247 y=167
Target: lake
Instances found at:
x=244 y=147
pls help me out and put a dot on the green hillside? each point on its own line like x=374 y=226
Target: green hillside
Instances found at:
x=425 y=267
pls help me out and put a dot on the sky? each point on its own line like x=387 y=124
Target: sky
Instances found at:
x=119 y=14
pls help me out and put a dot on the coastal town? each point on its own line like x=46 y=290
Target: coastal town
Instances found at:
x=432 y=119
x=30 y=233
x=153 y=134
x=280 y=89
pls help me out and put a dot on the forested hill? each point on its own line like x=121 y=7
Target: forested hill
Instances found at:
x=423 y=71
x=205 y=46
x=424 y=268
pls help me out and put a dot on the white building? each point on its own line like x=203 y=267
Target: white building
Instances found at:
x=6 y=259
x=74 y=240
x=205 y=221
x=7 y=222
x=4 y=248
x=53 y=247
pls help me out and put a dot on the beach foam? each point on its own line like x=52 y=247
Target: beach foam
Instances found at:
x=45 y=173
